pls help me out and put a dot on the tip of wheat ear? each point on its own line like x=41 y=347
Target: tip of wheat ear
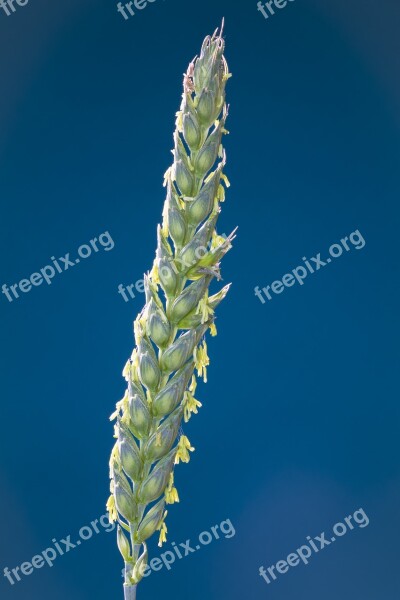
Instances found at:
x=170 y=348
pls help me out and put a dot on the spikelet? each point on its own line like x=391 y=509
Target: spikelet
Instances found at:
x=170 y=330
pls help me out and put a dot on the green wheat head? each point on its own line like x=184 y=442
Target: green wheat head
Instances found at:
x=170 y=330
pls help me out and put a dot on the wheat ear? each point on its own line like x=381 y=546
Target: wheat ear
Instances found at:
x=160 y=374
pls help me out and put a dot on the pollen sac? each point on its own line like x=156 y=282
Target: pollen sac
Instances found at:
x=158 y=327
x=123 y=544
x=188 y=299
x=172 y=394
x=167 y=276
x=191 y=130
x=179 y=352
x=140 y=416
x=129 y=453
x=155 y=484
x=149 y=371
x=161 y=441
x=150 y=522
x=124 y=502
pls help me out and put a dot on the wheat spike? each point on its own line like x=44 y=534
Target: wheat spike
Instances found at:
x=170 y=330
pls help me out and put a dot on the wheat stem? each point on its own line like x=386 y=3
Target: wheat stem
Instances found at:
x=130 y=592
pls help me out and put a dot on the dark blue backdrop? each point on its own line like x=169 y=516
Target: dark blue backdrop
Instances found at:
x=299 y=425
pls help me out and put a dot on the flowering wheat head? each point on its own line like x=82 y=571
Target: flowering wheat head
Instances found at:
x=170 y=349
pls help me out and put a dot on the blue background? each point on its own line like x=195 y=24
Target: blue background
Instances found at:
x=299 y=425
